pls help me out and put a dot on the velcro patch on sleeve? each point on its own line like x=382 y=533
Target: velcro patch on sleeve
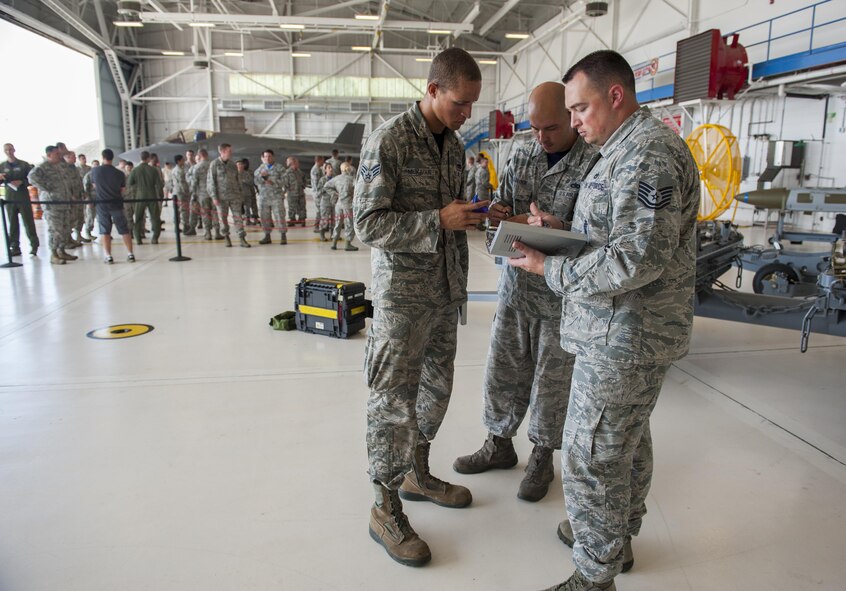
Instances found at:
x=654 y=198
x=370 y=173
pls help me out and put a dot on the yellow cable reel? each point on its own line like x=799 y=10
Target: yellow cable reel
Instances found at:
x=717 y=156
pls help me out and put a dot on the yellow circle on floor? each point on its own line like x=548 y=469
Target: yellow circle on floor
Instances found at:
x=120 y=331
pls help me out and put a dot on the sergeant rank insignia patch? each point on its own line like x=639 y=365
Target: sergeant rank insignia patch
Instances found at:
x=654 y=198
x=368 y=174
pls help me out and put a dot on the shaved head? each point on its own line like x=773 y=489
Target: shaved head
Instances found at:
x=550 y=119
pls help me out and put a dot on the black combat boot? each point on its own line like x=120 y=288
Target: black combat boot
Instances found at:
x=539 y=474
x=389 y=527
x=496 y=452
x=420 y=485
x=283 y=240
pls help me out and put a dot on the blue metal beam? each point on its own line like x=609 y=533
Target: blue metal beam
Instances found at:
x=805 y=60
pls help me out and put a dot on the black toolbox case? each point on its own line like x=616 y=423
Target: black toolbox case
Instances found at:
x=331 y=307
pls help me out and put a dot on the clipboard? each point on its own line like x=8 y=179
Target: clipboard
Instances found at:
x=547 y=240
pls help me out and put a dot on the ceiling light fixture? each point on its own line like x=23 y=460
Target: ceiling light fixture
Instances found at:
x=516 y=35
x=488 y=62
x=367 y=17
x=128 y=24
x=173 y=53
x=361 y=48
x=438 y=32
x=422 y=59
x=300 y=54
x=233 y=54
x=292 y=26
x=201 y=25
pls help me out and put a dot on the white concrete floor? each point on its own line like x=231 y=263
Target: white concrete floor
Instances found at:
x=216 y=453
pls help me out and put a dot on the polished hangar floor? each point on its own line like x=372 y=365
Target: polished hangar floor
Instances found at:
x=216 y=453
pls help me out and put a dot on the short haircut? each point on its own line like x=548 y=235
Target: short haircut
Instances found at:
x=334 y=152
x=128 y=163
x=451 y=66
x=61 y=145
x=178 y=158
x=245 y=162
x=604 y=68
x=203 y=152
x=107 y=154
x=268 y=151
x=223 y=147
x=50 y=148
x=145 y=155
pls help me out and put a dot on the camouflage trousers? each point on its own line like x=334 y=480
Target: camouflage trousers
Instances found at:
x=205 y=210
x=184 y=204
x=90 y=218
x=78 y=218
x=296 y=206
x=327 y=213
x=408 y=366
x=272 y=213
x=607 y=459
x=343 y=222
x=526 y=368
x=58 y=225
x=235 y=207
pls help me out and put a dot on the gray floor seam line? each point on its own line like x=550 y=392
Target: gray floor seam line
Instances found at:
x=755 y=412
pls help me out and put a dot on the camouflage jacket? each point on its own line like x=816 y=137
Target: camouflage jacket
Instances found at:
x=73 y=181
x=276 y=188
x=336 y=165
x=197 y=179
x=483 y=182
x=51 y=180
x=340 y=189
x=178 y=183
x=470 y=184
x=316 y=175
x=529 y=179
x=16 y=171
x=628 y=298
x=320 y=191
x=222 y=182
x=294 y=182
x=403 y=182
x=248 y=187
x=87 y=190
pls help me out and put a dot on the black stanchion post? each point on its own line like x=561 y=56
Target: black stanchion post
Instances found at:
x=178 y=258
x=11 y=263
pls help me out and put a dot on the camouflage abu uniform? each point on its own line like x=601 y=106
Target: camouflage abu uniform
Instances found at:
x=339 y=190
x=179 y=189
x=325 y=202
x=77 y=193
x=526 y=364
x=198 y=177
x=224 y=188
x=419 y=281
x=88 y=211
x=483 y=182
x=316 y=175
x=248 y=193
x=628 y=311
x=271 y=199
x=470 y=184
x=51 y=180
x=294 y=182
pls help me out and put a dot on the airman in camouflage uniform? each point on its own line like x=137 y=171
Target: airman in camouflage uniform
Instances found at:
x=269 y=180
x=483 y=179
x=470 y=181
x=223 y=186
x=316 y=174
x=88 y=211
x=198 y=176
x=407 y=207
x=628 y=309
x=77 y=193
x=340 y=190
x=179 y=190
x=335 y=161
x=325 y=202
x=51 y=179
x=526 y=365
x=248 y=190
x=13 y=174
x=295 y=182
x=90 y=208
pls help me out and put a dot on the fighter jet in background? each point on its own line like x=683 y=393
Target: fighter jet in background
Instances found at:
x=244 y=145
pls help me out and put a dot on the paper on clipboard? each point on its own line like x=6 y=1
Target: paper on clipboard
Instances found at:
x=547 y=240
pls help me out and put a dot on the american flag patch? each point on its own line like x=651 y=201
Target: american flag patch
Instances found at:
x=654 y=198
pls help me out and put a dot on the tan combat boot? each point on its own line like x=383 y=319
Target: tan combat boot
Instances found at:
x=228 y=241
x=266 y=239
x=389 y=527
x=284 y=239
x=349 y=247
x=334 y=244
x=420 y=485
x=244 y=243
x=55 y=259
x=497 y=452
x=63 y=255
x=577 y=582
x=565 y=534
x=539 y=474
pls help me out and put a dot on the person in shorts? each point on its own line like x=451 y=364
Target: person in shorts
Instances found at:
x=109 y=186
